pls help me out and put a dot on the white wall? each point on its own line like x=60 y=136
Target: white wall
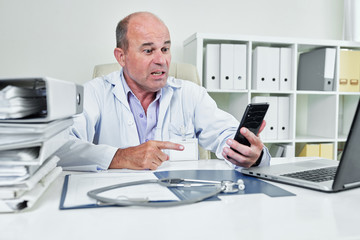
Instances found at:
x=66 y=38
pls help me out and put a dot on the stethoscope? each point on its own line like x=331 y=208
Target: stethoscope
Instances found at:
x=225 y=186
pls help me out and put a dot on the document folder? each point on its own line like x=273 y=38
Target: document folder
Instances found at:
x=29 y=198
x=16 y=133
x=285 y=79
x=266 y=133
x=289 y=150
x=266 y=67
x=212 y=67
x=310 y=150
x=349 y=71
x=29 y=181
x=276 y=150
x=18 y=102
x=283 y=117
x=62 y=99
x=240 y=66
x=317 y=70
x=270 y=131
x=226 y=66
x=326 y=150
x=34 y=152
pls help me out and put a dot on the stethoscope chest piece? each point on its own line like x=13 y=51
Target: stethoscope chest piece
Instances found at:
x=232 y=187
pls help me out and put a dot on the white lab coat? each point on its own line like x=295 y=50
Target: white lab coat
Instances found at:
x=107 y=122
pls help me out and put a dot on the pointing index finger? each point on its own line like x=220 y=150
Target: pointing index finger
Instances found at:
x=170 y=145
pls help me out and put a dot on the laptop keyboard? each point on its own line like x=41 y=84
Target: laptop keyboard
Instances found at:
x=316 y=175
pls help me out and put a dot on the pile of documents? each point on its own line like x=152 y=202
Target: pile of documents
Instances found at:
x=32 y=129
x=19 y=102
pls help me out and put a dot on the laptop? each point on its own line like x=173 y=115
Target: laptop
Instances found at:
x=320 y=174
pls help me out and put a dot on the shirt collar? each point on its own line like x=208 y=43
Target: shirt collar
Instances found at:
x=128 y=91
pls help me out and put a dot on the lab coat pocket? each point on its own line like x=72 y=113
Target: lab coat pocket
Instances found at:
x=179 y=131
x=185 y=136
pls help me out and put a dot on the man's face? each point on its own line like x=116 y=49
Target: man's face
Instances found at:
x=146 y=62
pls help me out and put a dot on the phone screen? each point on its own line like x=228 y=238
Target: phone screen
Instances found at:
x=253 y=117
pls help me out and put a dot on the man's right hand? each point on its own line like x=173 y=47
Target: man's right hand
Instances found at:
x=145 y=156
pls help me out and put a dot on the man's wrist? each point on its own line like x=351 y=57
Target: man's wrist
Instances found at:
x=116 y=160
x=257 y=163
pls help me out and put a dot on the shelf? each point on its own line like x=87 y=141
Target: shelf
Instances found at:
x=349 y=93
x=268 y=39
x=313 y=139
x=226 y=91
x=342 y=138
x=271 y=92
x=278 y=141
x=314 y=116
x=301 y=92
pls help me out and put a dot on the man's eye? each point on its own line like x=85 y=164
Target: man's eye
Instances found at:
x=147 y=50
x=165 y=49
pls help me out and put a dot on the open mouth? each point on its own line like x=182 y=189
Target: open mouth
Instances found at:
x=157 y=73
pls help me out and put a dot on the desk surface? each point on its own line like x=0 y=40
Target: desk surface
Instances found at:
x=309 y=215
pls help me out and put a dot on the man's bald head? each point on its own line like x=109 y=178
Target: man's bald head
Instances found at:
x=122 y=28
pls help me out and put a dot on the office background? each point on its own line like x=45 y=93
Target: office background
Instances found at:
x=65 y=38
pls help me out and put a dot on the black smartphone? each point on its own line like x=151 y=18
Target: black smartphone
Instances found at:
x=253 y=117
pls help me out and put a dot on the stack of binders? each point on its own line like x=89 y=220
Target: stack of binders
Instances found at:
x=225 y=66
x=35 y=114
x=277 y=117
x=272 y=68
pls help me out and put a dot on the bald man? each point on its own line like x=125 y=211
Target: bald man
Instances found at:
x=131 y=116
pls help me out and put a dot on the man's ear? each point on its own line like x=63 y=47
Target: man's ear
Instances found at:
x=120 y=56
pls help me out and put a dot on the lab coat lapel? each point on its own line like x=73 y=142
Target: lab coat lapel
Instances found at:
x=123 y=110
x=119 y=94
x=162 y=127
x=118 y=89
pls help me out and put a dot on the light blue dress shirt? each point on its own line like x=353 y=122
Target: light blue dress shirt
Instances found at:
x=145 y=122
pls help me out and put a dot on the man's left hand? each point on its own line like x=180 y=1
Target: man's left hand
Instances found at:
x=249 y=155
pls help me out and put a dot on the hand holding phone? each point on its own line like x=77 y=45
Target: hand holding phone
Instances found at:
x=252 y=119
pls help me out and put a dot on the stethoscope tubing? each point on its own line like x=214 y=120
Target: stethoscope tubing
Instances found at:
x=144 y=202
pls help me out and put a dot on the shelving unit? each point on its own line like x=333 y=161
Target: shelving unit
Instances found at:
x=315 y=116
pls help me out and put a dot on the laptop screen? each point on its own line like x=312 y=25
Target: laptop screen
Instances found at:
x=348 y=173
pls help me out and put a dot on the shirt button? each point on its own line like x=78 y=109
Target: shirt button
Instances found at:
x=146 y=140
x=130 y=122
x=141 y=115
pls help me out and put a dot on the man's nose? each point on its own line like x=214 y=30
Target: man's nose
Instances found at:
x=160 y=58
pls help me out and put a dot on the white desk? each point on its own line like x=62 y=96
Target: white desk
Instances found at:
x=309 y=215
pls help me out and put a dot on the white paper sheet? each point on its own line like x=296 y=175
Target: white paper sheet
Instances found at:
x=80 y=184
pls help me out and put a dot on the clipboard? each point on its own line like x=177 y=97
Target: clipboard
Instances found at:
x=76 y=186
x=253 y=185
